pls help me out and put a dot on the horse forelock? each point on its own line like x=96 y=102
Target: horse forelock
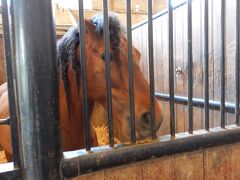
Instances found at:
x=115 y=29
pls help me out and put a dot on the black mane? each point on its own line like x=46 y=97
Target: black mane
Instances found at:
x=114 y=30
x=67 y=49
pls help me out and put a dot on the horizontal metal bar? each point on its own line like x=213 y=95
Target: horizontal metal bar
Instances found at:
x=5 y=121
x=86 y=163
x=214 y=105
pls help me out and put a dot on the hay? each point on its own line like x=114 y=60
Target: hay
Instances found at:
x=2 y=69
x=2 y=157
x=102 y=135
x=99 y=120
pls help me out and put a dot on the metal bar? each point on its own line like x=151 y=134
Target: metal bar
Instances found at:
x=108 y=71
x=214 y=105
x=206 y=63
x=162 y=13
x=151 y=68
x=171 y=66
x=84 y=76
x=237 y=73
x=130 y=71
x=10 y=80
x=190 y=67
x=222 y=112
x=78 y=165
x=36 y=77
x=5 y=121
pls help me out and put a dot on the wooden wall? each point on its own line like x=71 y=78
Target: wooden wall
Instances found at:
x=120 y=5
x=160 y=38
x=220 y=162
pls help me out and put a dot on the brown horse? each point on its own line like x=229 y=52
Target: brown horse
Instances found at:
x=68 y=57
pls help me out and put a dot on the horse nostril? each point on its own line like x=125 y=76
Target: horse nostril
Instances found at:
x=146 y=120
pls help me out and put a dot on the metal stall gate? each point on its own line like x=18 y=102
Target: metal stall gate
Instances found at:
x=32 y=75
x=30 y=54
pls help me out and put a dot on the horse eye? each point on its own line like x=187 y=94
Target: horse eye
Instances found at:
x=111 y=57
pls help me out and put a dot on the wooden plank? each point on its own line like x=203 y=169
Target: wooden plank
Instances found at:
x=217 y=162
x=165 y=128
x=198 y=61
x=220 y=162
x=161 y=168
x=129 y=171
x=214 y=60
x=235 y=159
x=158 y=56
x=189 y=165
x=179 y=35
x=230 y=47
x=99 y=175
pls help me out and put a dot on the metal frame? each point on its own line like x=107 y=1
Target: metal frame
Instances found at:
x=41 y=157
x=30 y=55
x=80 y=162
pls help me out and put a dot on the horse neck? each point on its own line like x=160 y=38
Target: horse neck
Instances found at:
x=72 y=128
x=76 y=105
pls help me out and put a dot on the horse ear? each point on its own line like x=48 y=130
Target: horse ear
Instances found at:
x=75 y=20
x=136 y=54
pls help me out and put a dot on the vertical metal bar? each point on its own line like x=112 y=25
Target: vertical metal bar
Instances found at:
x=10 y=80
x=36 y=77
x=151 y=68
x=108 y=71
x=206 y=63
x=130 y=71
x=84 y=75
x=171 y=72
x=222 y=107
x=190 y=83
x=237 y=74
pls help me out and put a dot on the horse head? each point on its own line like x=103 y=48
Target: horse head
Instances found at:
x=96 y=81
x=68 y=48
